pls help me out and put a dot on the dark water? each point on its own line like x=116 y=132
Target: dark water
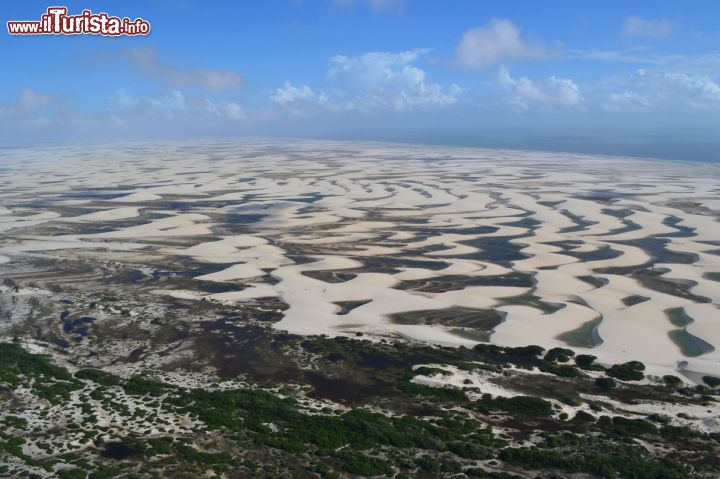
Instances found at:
x=441 y=284
x=497 y=250
x=78 y=325
x=580 y=223
x=118 y=451
x=682 y=231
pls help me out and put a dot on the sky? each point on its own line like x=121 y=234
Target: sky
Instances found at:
x=638 y=78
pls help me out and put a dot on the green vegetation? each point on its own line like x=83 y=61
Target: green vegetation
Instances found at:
x=672 y=381
x=561 y=355
x=598 y=457
x=621 y=426
x=141 y=385
x=629 y=371
x=605 y=383
x=585 y=361
x=17 y=365
x=412 y=430
x=524 y=405
x=99 y=377
x=530 y=351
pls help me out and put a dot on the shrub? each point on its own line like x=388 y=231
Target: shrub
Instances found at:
x=487 y=349
x=583 y=417
x=98 y=376
x=672 y=381
x=529 y=351
x=139 y=385
x=559 y=370
x=633 y=427
x=585 y=360
x=561 y=355
x=605 y=383
x=630 y=371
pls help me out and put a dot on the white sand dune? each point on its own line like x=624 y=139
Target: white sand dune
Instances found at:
x=137 y=197
x=615 y=240
x=114 y=214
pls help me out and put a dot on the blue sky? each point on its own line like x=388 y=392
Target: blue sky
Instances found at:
x=638 y=78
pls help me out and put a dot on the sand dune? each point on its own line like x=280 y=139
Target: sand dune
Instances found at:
x=617 y=257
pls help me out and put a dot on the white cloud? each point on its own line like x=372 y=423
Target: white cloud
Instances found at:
x=123 y=101
x=625 y=101
x=646 y=28
x=387 y=80
x=553 y=91
x=371 y=81
x=233 y=111
x=147 y=61
x=29 y=99
x=174 y=104
x=169 y=104
x=31 y=107
x=289 y=93
x=647 y=90
x=499 y=40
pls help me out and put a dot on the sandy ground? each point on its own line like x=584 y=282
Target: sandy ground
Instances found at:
x=371 y=216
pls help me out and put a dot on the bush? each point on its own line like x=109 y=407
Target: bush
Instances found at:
x=98 y=376
x=487 y=349
x=585 y=360
x=361 y=465
x=559 y=370
x=630 y=371
x=605 y=383
x=468 y=450
x=672 y=381
x=561 y=355
x=633 y=427
x=529 y=351
x=446 y=393
x=598 y=459
x=582 y=417
x=140 y=385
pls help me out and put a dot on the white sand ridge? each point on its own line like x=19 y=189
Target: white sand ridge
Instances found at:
x=570 y=248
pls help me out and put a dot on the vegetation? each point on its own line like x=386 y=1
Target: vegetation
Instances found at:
x=53 y=383
x=413 y=430
x=585 y=361
x=561 y=355
x=598 y=457
x=529 y=351
x=98 y=376
x=672 y=381
x=630 y=371
x=523 y=405
x=605 y=383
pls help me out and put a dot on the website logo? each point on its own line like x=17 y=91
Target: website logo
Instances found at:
x=57 y=22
